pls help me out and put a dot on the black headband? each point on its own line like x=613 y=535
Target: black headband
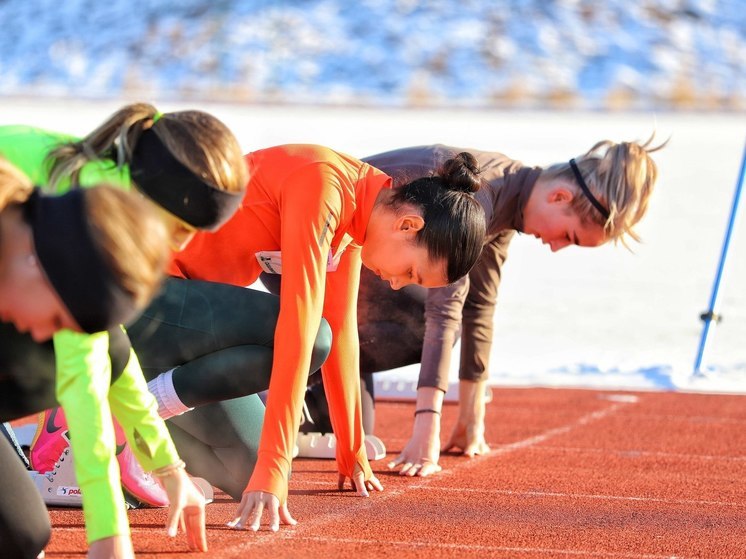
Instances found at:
x=168 y=182
x=587 y=191
x=73 y=264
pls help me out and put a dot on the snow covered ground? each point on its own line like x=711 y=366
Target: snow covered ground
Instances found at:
x=582 y=317
x=514 y=53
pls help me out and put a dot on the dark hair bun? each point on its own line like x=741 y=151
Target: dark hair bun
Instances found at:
x=462 y=173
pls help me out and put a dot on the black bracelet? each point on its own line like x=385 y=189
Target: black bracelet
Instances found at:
x=426 y=410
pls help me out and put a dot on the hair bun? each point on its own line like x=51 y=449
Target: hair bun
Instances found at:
x=461 y=173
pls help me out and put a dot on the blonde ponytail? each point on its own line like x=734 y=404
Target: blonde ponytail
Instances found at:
x=201 y=142
x=114 y=140
x=621 y=176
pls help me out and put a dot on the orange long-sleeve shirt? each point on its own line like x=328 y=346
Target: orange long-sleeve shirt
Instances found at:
x=304 y=201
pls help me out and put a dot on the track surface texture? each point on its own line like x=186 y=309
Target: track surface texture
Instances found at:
x=572 y=473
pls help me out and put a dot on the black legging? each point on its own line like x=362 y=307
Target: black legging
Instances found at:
x=28 y=371
x=391 y=330
x=27 y=386
x=221 y=338
x=390 y=323
x=27 y=374
x=24 y=522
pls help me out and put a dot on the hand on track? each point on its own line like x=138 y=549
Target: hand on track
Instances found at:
x=421 y=454
x=252 y=507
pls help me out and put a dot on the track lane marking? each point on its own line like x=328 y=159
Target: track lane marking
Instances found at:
x=489 y=548
x=591 y=496
x=631 y=453
x=364 y=503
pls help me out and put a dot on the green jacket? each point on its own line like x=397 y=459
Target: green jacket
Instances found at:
x=83 y=382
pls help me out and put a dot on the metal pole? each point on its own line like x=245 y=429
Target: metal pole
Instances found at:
x=711 y=314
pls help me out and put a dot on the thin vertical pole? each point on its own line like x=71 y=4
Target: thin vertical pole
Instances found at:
x=711 y=314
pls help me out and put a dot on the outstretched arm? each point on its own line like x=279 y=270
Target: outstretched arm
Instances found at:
x=137 y=412
x=309 y=216
x=422 y=452
x=341 y=374
x=442 y=325
x=83 y=378
x=468 y=434
x=476 y=346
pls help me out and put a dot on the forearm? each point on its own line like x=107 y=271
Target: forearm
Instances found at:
x=429 y=398
x=443 y=315
x=96 y=470
x=343 y=393
x=479 y=309
x=472 y=401
x=476 y=344
x=421 y=453
x=137 y=412
x=82 y=386
x=427 y=412
x=282 y=417
x=435 y=359
x=342 y=368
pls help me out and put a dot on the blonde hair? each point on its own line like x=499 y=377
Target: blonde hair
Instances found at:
x=201 y=142
x=132 y=239
x=621 y=176
x=15 y=187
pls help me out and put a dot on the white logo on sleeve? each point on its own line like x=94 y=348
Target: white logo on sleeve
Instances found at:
x=271 y=261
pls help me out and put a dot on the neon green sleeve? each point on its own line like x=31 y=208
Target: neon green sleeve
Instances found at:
x=27 y=148
x=82 y=387
x=89 y=399
x=137 y=412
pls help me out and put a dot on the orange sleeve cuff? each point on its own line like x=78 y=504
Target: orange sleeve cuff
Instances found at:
x=270 y=475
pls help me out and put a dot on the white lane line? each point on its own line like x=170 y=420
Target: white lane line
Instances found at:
x=632 y=453
x=398 y=544
x=551 y=433
x=698 y=420
x=568 y=495
x=459 y=547
x=352 y=511
x=590 y=496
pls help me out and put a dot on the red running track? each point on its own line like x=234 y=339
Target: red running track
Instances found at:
x=572 y=473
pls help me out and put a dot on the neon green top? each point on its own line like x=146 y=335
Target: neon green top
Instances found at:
x=27 y=148
x=83 y=389
x=83 y=381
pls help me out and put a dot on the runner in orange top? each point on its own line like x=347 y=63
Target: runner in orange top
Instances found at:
x=314 y=215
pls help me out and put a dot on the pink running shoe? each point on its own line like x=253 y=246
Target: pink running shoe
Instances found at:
x=50 y=441
x=136 y=482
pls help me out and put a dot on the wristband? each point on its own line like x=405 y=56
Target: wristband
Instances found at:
x=170 y=469
x=426 y=410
